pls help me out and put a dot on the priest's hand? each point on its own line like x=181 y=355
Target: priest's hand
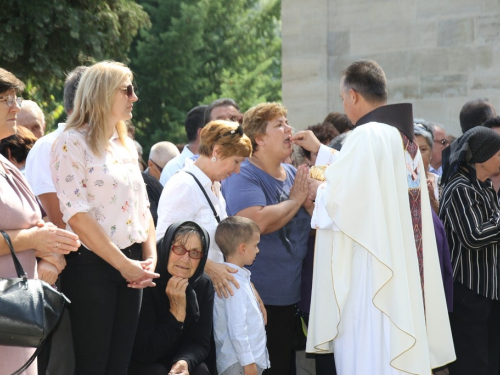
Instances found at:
x=306 y=139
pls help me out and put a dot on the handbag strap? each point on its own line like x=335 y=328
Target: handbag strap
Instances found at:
x=206 y=196
x=17 y=263
x=30 y=361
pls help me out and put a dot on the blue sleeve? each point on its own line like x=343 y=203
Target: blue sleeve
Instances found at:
x=242 y=191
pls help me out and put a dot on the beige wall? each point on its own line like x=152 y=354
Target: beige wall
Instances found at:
x=437 y=54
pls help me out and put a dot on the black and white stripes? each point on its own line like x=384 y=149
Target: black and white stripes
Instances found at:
x=470 y=213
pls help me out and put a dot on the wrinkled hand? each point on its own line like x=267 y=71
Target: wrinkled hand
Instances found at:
x=306 y=139
x=261 y=304
x=299 y=189
x=47 y=272
x=250 y=369
x=47 y=238
x=136 y=276
x=180 y=367
x=176 y=293
x=57 y=260
x=222 y=277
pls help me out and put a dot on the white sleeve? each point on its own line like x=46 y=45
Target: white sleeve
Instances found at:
x=320 y=218
x=37 y=169
x=326 y=155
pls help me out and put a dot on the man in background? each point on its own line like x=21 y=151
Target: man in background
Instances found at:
x=159 y=155
x=31 y=116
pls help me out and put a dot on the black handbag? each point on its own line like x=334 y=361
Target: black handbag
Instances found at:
x=29 y=309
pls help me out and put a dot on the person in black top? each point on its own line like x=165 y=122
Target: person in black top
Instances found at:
x=173 y=335
x=470 y=213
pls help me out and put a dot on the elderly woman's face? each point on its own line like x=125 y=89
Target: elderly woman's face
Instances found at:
x=490 y=167
x=8 y=113
x=425 y=150
x=184 y=265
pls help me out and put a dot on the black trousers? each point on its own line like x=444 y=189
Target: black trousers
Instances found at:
x=104 y=312
x=279 y=331
x=475 y=327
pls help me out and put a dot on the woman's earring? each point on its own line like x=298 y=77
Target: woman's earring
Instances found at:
x=214 y=159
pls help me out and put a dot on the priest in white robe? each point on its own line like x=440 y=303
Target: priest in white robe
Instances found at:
x=377 y=300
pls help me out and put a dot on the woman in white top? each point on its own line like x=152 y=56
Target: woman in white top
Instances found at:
x=103 y=199
x=223 y=147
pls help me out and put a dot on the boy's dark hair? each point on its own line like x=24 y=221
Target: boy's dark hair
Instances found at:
x=232 y=232
x=194 y=121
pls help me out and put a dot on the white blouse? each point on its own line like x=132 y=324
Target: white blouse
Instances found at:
x=109 y=187
x=182 y=199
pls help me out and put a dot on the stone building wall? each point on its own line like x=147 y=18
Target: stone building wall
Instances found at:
x=437 y=54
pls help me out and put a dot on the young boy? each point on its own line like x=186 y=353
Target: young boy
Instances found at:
x=240 y=336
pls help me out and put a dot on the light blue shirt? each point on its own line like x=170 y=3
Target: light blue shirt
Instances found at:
x=175 y=165
x=438 y=171
x=239 y=332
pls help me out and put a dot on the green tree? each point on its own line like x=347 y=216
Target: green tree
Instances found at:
x=200 y=50
x=41 y=40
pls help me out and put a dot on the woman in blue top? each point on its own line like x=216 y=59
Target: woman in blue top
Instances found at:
x=274 y=195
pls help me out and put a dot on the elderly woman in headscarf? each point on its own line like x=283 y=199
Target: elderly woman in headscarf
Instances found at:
x=470 y=213
x=173 y=336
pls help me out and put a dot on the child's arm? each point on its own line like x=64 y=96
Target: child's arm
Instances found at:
x=250 y=369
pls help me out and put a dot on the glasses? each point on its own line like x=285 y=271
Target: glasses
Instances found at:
x=129 y=91
x=10 y=100
x=156 y=165
x=181 y=250
x=443 y=141
x=238 y=130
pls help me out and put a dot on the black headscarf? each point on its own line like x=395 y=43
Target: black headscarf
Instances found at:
x=477 y=145
x=163 y=248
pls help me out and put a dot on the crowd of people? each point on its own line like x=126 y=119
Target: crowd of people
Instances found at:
x=375 y=229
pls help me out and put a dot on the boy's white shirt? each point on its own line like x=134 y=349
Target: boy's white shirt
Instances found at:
x=239 y=331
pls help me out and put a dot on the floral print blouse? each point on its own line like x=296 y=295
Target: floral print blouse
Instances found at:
x=109 y=187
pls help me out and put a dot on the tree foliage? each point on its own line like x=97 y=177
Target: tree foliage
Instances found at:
x=41 y=40
x=200 y=50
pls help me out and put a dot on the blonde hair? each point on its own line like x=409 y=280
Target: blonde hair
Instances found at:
x=219 y=132
x=256 y=118
x=94 y=100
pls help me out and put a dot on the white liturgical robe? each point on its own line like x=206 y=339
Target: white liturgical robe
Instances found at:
x=367 y=301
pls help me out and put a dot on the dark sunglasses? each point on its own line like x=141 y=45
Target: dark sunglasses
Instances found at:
x=443 y=141
x=238 y=130
x=156 y=165
x=181 y=250
x=129 y=91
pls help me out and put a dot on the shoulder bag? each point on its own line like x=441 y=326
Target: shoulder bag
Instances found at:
x=29 y=309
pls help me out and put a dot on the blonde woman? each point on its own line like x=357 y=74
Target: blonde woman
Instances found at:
x=103 y=199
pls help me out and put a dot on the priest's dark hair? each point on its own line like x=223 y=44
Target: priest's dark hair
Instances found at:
x=367 y=78
x=475 y=113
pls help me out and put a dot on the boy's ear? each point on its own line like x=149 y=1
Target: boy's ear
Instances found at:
x=242 y=248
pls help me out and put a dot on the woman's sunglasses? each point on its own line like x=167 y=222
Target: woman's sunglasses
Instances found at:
x=129 y=91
